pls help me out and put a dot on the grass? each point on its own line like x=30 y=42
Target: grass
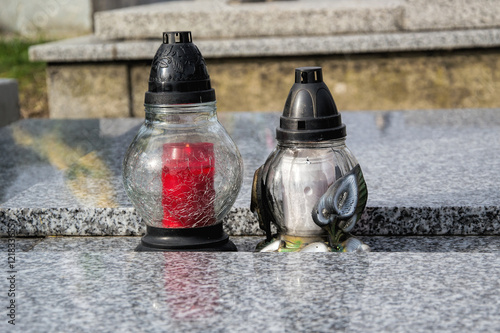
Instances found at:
x=31 y=77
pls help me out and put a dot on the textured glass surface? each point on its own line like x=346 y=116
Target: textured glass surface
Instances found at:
x=296 y=178
x=182 y=170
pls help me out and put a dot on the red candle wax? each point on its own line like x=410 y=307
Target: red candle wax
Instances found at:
x=188 y=185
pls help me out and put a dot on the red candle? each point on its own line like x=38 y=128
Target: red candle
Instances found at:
x=188 y=185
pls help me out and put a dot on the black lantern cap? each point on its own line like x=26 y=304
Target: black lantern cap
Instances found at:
x=178 y=73
x=310 y=113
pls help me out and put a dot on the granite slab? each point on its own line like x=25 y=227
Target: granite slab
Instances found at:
x=245 y=292
x=428 y=173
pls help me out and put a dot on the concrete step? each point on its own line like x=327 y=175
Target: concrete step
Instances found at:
x=226 y=19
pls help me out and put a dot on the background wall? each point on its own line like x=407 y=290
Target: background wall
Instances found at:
x=54 y=19
x=46 y=18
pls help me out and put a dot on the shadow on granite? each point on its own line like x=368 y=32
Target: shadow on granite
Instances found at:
x=416 y=244
x=22 y=244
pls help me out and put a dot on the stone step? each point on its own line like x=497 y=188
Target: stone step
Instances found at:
x=108 y=78
x=226 y=19
x=375 y=53
x=94 y=49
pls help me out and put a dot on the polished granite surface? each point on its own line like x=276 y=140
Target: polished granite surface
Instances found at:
x=428 y=172
x=93 y=288
x=434 y=197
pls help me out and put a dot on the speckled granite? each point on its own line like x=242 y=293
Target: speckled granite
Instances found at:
x=472 y=244
x=245 y=292
x=102 y=285
x=428 y=173
x=101 y=244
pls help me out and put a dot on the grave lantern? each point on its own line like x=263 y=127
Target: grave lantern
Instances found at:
x=182 y=171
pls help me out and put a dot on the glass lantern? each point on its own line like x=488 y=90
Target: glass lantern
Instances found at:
x=182 y=172
x=311 y=186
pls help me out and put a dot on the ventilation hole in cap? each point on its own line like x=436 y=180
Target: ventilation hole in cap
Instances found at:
x=303 y=77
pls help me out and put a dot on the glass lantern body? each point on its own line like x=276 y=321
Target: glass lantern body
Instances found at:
x=182 y=170
x=296 y=175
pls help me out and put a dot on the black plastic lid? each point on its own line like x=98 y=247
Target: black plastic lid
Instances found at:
x=310 y=113
x=178 y=73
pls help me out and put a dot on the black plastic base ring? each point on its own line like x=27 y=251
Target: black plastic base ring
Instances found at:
x=209 y=239
x=228 y=247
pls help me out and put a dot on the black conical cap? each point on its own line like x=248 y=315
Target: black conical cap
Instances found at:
x=178 y=73
x=310 y=113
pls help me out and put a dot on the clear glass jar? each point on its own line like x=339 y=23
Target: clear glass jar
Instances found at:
x=296 y=175
x=182 y=170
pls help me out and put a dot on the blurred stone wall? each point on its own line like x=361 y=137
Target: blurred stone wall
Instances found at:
x=49 y=19
x=101 y=5
x=55 y=19
x=387 y=81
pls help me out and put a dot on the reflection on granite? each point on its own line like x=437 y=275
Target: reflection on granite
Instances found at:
x=246 y=243
x=428 y=173
x=78 y=162
x=247 y=292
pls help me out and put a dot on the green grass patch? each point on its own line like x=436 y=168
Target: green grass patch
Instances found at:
x=14 y=61
x=15 y=64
